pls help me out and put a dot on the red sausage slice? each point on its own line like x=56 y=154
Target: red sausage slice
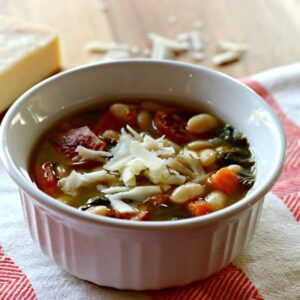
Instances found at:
x=172 y=124
x=83 y=136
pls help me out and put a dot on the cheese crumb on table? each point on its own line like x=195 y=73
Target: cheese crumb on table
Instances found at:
x=198 y=24
x=28 y=54
x=172 y=20
x=227 y=45
x=226 y=57
x=231 y=52
x=99 y=46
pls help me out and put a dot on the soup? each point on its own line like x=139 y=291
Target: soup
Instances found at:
x=145 y=162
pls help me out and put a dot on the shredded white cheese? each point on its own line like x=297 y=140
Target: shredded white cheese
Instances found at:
x=135 y=154
x=167 y=42
x=132 y=156
x=121 y=154
x=134 y=133
x=231 y=52
x=149 y=158
x=163 y=176
x=194 y=163
x=132 y=169
x=103 y=47
x=226 y=57
x=196 y=41
x=71 y=184
x=160 y=51
x=91 y=154
x=113 y=189
x=179 y=167
x=227 y=45
x=165 y=48
x=120 y=206
x=139 y=193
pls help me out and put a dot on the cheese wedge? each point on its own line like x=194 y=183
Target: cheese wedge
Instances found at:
x=28 y=54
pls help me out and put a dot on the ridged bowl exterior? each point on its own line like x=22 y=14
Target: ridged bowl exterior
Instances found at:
x=135 y=259
x=141 y=255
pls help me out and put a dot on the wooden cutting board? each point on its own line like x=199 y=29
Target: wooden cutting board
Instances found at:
x=270 y=27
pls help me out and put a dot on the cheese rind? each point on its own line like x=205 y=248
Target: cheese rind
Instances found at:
x=28 y=54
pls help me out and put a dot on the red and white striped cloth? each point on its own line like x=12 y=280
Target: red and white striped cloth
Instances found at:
x=269 y=268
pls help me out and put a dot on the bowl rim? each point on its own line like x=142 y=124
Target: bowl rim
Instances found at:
x=26 y=185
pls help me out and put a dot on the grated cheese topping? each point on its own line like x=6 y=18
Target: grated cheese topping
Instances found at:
x=135 y=154
x=91 y=154
x=120 y=206
x=138 y=193
x=71 y=184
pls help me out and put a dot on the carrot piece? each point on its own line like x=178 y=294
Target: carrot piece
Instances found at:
x=225 y=180
x=199 y=208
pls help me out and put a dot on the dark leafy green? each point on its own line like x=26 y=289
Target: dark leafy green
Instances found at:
x=170 y=213
x=246 y=177
x=233 y=136
x=95 y=201
x=234 y=149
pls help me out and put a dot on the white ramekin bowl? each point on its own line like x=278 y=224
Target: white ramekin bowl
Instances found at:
x=129 y=254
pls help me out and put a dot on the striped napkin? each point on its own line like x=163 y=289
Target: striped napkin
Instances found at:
x=269 y=268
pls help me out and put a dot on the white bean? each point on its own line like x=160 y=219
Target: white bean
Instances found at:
x=202 y=123
x=144 y=120
x=110 y=134
x=235 y=168
x=120 y=111
x=98 y=210
x=216 y=200
x=207 y=157
x=186 y=192
x=199 y=145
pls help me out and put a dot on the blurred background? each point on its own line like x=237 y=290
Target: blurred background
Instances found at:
x=270 y=28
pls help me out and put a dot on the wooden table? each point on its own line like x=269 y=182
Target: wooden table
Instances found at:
x=270 y=27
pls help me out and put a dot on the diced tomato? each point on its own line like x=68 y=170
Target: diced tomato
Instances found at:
x=109 y=122
x=46 y=179
x=225 y=180
x=172 y=124
x=132 y=118
x=199 y=208
x=124 y=216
